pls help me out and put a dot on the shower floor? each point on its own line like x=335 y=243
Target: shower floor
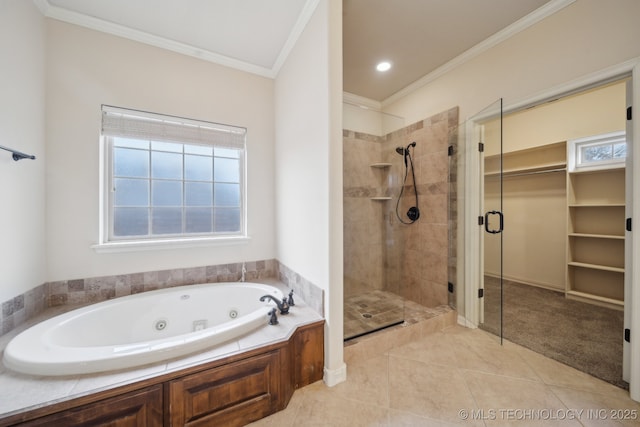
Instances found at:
x=364 y=313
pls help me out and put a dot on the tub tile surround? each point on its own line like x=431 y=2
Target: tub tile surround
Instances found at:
x=21 y=392
x=414 y=261
x=77 y=292
x=310 y=293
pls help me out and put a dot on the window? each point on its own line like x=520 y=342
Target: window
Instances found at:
x=171 y=178
x=598 y=152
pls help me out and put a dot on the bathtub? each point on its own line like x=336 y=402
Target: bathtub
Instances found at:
x=138 y=329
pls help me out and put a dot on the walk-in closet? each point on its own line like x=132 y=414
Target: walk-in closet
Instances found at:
x=561 y=184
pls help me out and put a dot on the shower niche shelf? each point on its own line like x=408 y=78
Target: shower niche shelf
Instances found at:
x=380 y=165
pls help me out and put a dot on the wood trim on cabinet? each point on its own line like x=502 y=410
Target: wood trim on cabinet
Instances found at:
x=141 y=408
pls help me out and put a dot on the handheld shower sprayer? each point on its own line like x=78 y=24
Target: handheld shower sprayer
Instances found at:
x=404 y=151
x=413 y=213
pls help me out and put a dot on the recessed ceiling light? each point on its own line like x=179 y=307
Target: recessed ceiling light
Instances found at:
x=383 y=66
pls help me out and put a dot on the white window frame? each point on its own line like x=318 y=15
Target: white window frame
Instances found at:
x=163 y=128
x=575 y=147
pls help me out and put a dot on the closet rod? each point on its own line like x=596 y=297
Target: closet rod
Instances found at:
x=509 y=175
x=535 y=172
x=18 y=155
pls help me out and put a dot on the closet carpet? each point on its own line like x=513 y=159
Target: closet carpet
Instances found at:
x=584 y=336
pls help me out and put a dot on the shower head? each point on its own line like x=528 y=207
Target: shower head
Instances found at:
x=405 y=151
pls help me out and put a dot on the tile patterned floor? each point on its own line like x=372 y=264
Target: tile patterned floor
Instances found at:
x=371 y=311
x=378 y=309
x=459 y=376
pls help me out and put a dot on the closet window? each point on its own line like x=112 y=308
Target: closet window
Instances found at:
x=171 y=178
x=598 y=152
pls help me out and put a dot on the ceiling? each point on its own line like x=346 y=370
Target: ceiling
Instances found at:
x=419 y=37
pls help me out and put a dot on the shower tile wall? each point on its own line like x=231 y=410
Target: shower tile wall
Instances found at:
x=380 y=253
x=364 y=248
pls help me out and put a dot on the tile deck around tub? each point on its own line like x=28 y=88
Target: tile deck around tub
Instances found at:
x=23 y=392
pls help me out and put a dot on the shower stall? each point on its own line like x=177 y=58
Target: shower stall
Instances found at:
x=399 y=242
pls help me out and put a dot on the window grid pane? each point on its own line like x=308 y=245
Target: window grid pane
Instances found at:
x=179 y=189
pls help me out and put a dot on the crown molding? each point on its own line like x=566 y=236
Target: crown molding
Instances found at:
x=508 y=32
x=101 y=25
x=295 y=33
x=361 y=101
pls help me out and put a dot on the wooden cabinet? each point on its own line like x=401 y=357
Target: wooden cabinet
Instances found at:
x=309 y=368
x=141 y=408
x=595 y=249
x=231 y=395
x=233 y=391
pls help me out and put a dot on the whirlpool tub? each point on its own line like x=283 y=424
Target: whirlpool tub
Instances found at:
x=138 y=329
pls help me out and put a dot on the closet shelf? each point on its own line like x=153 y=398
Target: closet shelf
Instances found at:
x=538 y=169
x=585 y=296
x=596 y=205
x=597 y=236
x=596 y=267
x=380 y=198
x=380 y=165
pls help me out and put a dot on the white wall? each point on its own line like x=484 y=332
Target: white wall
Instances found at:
x=360 y=119
x=308 y=95
x=22 y=121
x=585 y=37
x=87 y=68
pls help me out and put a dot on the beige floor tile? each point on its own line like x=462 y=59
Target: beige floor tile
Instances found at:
x=368 y=382
x=406 y=419
x=428 y=390
x=593 y=409
x=430 y=381
x=462 y=348
x=336 y=411
x=513 y=401
x=438 y=349
x=555 y=373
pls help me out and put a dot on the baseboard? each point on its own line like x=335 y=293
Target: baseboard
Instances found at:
x=528 y=282
x=462 y=321
x=334 y=377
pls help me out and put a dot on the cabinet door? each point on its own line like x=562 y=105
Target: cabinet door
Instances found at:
x=142 y=408
x=230 y=395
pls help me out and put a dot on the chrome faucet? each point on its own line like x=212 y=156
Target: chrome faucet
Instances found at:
x=244 y=272
x=283 y=306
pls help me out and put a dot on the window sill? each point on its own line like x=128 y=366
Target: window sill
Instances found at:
x=149 y=245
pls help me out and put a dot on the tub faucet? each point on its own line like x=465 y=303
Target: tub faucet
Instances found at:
x=244 y=272
x=283 y=306
x=273 y=317
x=290 y=300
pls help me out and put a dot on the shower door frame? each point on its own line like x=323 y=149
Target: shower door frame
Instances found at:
x=474 y=209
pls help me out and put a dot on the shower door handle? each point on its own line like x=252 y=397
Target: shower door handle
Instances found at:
x=486 y=222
